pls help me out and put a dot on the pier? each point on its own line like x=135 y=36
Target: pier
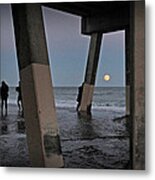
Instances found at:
x=97 y=18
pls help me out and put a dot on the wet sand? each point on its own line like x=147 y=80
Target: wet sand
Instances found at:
x=100 y=142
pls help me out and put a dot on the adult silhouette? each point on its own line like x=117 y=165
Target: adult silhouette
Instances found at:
x=19 y=98
x=4 y=90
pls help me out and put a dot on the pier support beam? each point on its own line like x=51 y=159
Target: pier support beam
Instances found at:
x=90 y=76
x=137 y=26
x=37 y=91
x=128 y=69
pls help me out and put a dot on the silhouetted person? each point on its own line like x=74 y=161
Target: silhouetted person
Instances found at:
x=19 y=98
x=4 y=90
x=79 y=97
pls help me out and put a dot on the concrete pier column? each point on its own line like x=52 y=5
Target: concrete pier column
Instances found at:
x=128 y=69
x=137 y=27
x=37 y=91
x=90 y=76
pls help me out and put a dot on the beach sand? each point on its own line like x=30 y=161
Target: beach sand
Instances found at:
x=100 y=142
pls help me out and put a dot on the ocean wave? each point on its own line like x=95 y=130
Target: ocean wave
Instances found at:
x=12 y=101
x=109 y=108
x=73 y=104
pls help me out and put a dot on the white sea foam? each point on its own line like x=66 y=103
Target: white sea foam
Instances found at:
x=12 y=101
x=73 y=104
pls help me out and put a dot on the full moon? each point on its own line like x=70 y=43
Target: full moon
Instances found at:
x=106 y=77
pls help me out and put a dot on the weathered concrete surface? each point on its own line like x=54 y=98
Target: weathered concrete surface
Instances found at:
x=37 y=91
x=41 y=116
x=91 y=69
x=127 y=100
x=105 y=23
x=138 y=80
x=29 y=34
x=87 y=96
x=93 y=58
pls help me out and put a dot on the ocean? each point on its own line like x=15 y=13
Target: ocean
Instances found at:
x=105 y=98
x=101 y=141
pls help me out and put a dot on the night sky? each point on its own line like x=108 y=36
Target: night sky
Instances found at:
x=67 y=48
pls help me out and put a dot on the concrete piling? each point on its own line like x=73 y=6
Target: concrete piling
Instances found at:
x=137 y=28
x=37 y=91
x=90 y=76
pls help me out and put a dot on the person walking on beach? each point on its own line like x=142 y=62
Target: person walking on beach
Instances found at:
x=4 y=90
x=19 y=98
